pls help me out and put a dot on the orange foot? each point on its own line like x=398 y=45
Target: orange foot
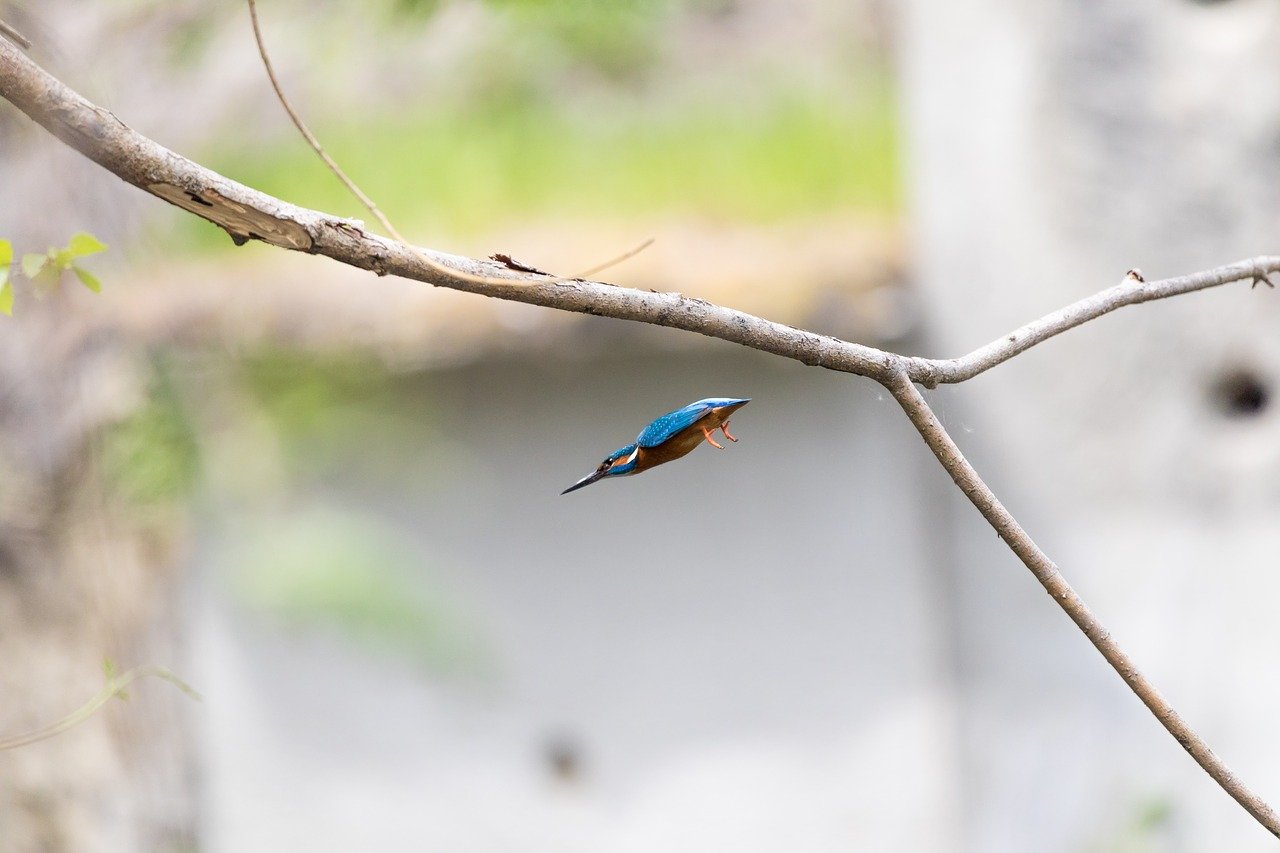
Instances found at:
x=724 y=428
x=706 y=432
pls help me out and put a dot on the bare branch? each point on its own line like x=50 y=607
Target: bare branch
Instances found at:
x=1045 y=571
x=1132 y=290
x=14 y=36
x=247 y=214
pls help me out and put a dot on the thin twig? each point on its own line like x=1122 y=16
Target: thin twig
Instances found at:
x=101 y=137
x=980 y=495
x=114 y=687
x=613 y=262
x=14 y=36
x=311 y=137
x=365 y=199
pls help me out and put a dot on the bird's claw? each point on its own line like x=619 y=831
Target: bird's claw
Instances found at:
x=1262 y=278
x=724 y=428
x=707 y=433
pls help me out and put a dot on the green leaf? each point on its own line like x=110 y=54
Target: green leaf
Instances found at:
x=87 y=278
x=60 y=259
x=83 y=243
x=43 y=271
x=6 y=288
x=33 y=264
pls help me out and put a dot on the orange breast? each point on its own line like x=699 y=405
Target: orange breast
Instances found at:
x=676 y=447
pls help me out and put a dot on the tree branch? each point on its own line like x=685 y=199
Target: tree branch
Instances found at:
x=1132 y=290
x=247 y=214
x=980 y=495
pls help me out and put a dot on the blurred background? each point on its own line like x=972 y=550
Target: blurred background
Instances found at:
x=329 y=501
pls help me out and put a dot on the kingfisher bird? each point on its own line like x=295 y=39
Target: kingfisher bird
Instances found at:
x=669 y=437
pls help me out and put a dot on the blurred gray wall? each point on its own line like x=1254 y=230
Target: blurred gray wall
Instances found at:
x=743 y=651
x=1052 y=147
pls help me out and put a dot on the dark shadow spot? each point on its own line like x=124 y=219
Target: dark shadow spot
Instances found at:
x=1240 y=394
x=563 y=756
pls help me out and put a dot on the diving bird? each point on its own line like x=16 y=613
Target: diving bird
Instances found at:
x=669 y=437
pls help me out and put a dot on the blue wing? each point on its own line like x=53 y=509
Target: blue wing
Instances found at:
x=667 y=426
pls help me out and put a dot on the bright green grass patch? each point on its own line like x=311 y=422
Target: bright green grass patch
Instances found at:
x=461 y=173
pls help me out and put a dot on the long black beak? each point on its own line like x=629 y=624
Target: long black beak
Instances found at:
x=584 y=482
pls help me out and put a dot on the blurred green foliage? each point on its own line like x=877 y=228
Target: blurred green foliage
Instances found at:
x=1155 y=813
x=461 y=172
x=341 y=425
x=305 y=393
x=189 y=38
x=577 y=109
x=328 y=567
x=619 y=38
x=338 y=418
x=1149 y=827
x=152 y=457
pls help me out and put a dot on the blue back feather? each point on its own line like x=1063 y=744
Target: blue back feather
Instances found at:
x=672 y=423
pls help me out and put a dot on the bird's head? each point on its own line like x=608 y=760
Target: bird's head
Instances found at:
x=619 y=463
